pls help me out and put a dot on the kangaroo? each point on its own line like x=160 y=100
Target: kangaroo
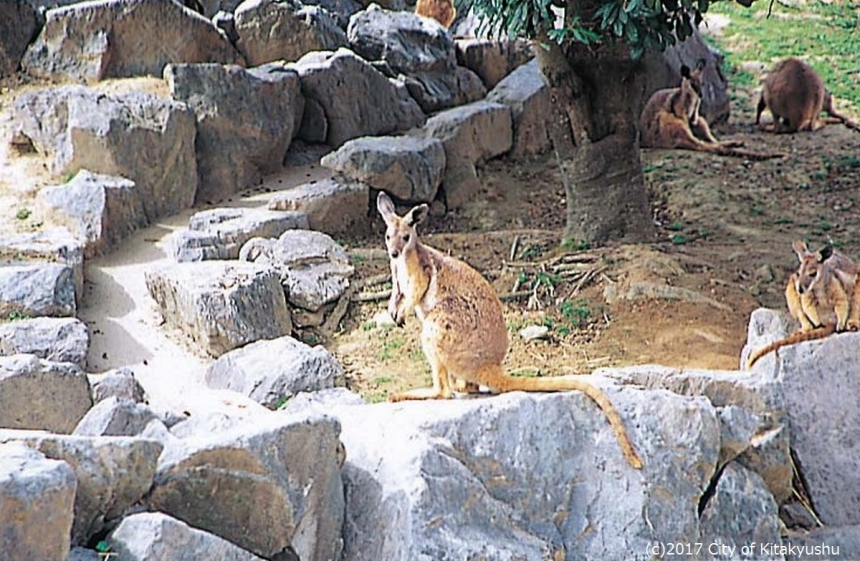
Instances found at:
x=442 y=11
x=795 y=96
x=671 y=116
x=820 y=295
x=463 y=333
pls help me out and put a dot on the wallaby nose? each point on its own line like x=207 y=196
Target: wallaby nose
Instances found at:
x=394 y=253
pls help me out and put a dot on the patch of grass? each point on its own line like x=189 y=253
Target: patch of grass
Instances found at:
x=576 y=312
x=389 y=347
x=379 y=380
x=822 y=34
x=533 y=251
x=282 y=401
x=15 y=316
x=675 y=226
x=378 y=396
x=356 y=259
x=679 y=239
x=23 y=213
x=368 y=325
x=850 y=161
x=575 y=245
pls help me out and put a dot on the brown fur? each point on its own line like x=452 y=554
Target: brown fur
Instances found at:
x=463 y=335
x=820 y=295
x=442 y=11
x=795 y=96
x=671 y=119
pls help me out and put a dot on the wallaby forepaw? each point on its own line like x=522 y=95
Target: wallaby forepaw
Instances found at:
x=853 y=325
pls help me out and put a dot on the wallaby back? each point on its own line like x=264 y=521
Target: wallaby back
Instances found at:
x=795 y=95
x=442 y=11
x=463 y=331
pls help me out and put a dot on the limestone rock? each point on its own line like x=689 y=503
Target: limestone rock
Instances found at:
x=408 y=167
x=119 y=383
x=115 y=417
x=36 y=505
x=272 y=30
x=121 y=38
x=418 y=49
x=55 y=244
x=271 y=372
x=37 y=394
x=245 y=121
x=221 y=305
x=154 y=536
x=457 y=479
x=492 y=60
x=33 y=289
x=101 y=210
x=829 y=542
x=54 y=339
x=471 y=134
x=137 y=135
x=342 y=10
x=528 y=96
x=314 y=269
x=112 y=474
x=219 y=233
x=18 y=23
x=278 y=485
x=740 y=512
x=356 y=98
x=332 y=207
x=814 y=383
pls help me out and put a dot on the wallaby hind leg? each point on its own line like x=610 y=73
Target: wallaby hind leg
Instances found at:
x=762 y=105
x=441 y=379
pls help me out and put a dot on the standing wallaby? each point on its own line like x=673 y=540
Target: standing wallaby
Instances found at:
x=463 y=334
x=442 y=11
x=820 y=295
x=671 y=116
x=795 y=95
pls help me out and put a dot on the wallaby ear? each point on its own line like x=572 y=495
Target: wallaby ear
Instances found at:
x=385 y=206
x=825 y=253
x=800 y=249
x=685 y=71
x=417 y=215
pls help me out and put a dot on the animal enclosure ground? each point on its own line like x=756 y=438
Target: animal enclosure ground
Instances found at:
x=723 y=249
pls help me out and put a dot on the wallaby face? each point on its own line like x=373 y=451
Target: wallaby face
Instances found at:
x=400 y=234
x=812 y=269
x=442 y=11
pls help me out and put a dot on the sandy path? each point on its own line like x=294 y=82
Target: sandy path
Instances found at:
x=125 y=327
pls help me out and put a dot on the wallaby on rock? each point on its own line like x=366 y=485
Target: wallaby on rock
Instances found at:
x=442 y=11
x=796 y=95
x=464 y=335
x=671 y=119
x=820 y=295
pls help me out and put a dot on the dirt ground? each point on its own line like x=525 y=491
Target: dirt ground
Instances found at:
x=725 y=228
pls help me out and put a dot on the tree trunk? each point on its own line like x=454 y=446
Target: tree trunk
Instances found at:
x=598 y=97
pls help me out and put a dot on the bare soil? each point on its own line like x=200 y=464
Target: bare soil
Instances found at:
x=725 y=227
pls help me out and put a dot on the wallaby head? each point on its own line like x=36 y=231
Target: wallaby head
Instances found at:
x=811 y=268
x=400 y=234
x=693 y=77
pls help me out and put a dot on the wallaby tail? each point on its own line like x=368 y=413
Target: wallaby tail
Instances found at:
x=496 y=379
x=749 y=155
x=830 y=110
x=796 y=337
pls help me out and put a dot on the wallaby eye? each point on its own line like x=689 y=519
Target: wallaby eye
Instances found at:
x=406 y=238
x=387 y=237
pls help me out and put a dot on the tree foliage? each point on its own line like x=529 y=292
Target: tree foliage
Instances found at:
x=640 y=24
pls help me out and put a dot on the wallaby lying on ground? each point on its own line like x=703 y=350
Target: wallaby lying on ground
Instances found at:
x=671 y=119
x=820 y=295
x=442 y=11
x=795 y=95
x=463 y=334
